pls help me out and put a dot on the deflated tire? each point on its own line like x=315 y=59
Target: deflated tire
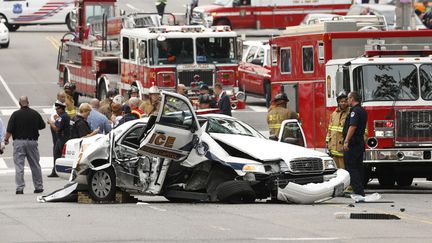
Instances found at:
x=235 y=192
x=102 y=185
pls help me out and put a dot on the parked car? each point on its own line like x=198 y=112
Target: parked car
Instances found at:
x=254 y=70
x=388 y=11
x=317 y=18
x=4 y=34
x=36 y=12
x=185 y=157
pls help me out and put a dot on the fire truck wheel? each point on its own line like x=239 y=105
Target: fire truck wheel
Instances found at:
x=222 y=22
x=267 y=94
x=386 y=179
x=404 y=180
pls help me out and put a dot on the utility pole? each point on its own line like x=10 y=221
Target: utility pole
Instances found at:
x=404 y=10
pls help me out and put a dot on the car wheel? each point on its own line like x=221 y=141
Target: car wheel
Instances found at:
x=6 y=45
x=180 y=200
x=69 y=24
x=12 y=27
x=267 y=94
x=404 y=180
x=235 y=192
x=102 y=185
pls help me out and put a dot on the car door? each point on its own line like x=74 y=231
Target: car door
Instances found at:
x=126 y=147
x=175 y=131
x=13 y=10
x=292 y=132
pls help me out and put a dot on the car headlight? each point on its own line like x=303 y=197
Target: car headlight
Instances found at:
x=253 y=168
x=329 y=164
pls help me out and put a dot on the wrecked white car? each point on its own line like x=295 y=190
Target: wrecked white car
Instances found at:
x=185 y=157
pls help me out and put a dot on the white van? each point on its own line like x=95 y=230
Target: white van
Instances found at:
x=35 y=12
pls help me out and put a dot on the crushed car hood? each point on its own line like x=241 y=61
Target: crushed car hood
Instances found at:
x=264 y=149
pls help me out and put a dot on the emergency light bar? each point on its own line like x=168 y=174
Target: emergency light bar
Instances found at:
x=378 y=49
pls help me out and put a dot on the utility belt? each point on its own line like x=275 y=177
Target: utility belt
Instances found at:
x=31 y=139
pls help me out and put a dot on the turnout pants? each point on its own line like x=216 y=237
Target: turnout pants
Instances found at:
x=23 y=149
x=353 y=159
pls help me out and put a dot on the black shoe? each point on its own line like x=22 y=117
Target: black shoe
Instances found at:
x=53 y=175
x=38 y=191
x=19 y=192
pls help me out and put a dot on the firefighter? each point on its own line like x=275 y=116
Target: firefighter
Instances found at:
x=334 y=139
x=105 y=104
x=151 y=107
x=69 y=89
x=278 y=113
x=134 y=92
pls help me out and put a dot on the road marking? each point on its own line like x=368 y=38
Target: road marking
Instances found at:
x=8 y=112
x=47 y=110
x=158 y=209
x=132 y=7
x=2 y=164
x=219 y=228
x=54 y=42
x=26 y=170
x=298 y=239
x=15 y=101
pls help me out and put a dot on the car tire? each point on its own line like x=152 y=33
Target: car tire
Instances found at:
x=235 y=192
x=180 y=200
x=12 y=27
x=404 y=180
x=102 y=185
x=267 y=94
x=6 y=45
x=69 y=24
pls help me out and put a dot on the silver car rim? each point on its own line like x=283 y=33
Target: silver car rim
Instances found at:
x=101 y=184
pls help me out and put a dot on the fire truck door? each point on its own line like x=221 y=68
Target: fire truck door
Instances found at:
x=320 y=115
x=244 y=16
x=129 y=60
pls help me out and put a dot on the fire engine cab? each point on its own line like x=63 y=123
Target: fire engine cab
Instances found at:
x=392 y=70
x=259 y=14
x=121 y=52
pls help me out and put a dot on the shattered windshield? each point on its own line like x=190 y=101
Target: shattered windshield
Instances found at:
x=171 y=51
x=228 y=126
x=390 y=82
x=216 y=50
x=426 y=81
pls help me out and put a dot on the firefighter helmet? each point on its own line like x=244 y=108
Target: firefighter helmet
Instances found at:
x=134 y=89
x=341 y=95
x=154 y=90
x=112 y=93
x=70 y=86
x=281 y=97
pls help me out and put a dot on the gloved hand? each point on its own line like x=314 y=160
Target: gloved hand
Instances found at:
x=2 y=147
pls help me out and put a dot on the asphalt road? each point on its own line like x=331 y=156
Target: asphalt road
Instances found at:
x=27 y=67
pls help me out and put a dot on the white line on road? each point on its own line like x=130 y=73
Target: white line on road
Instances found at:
x=157 y=209
x=297 y=239
x=2 y=164
x=15 y=101
x=132 y=7
x=26 y=170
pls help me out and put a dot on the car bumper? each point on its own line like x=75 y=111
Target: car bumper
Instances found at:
x=4 y=38
x=64 y=169
x=314 y=192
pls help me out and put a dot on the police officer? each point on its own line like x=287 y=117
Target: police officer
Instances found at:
x=278 y=113
x=354 y=145
x=334 y=139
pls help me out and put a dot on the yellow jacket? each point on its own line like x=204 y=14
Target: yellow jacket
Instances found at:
x=276 y=116
x=70 y=106
x=334 y=137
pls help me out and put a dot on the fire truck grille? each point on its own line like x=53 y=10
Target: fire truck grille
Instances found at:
x=187 y=77
x=413 y=126
x=306 y=165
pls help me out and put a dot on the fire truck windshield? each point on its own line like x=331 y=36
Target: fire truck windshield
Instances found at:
x=95 y=12
x=389 y=82
x=171 y=51
x=216 y=50
x=226 y=3
x=426 y=81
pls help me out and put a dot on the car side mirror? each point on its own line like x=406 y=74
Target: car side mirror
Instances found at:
x=274 y=138
x=257 y=62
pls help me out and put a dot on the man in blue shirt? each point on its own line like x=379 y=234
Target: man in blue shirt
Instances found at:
x=97 y=119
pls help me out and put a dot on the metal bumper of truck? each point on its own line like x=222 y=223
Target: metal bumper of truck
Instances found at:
x=398 y=155
x=315 y=192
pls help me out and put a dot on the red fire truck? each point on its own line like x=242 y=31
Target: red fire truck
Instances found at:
x=314 y=63
x=121 y=52
x=258 y=14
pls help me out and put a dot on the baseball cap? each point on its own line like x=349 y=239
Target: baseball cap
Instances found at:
x=60 y=104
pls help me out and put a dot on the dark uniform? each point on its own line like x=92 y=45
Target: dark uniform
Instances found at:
x=354 y=156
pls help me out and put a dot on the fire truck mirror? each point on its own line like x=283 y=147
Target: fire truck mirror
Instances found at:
x=339 y=80
x=258 y=62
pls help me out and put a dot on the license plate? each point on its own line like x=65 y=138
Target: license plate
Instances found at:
x=338 y=190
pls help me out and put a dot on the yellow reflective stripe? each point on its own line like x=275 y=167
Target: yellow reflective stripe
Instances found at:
x=274 y=125
x=336 y=128
x=335 y=152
